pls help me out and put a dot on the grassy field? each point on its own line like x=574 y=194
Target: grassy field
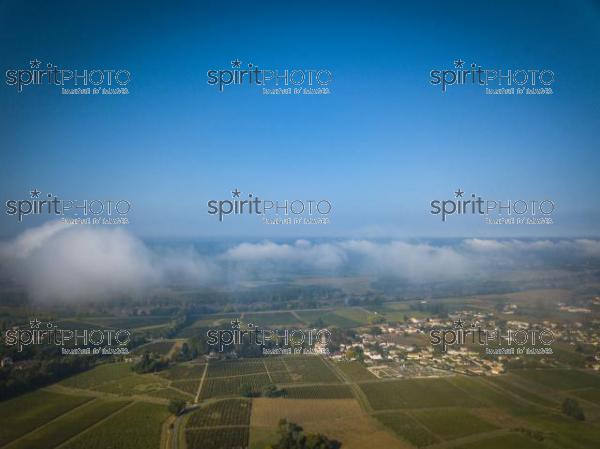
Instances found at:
x=69 y=425
x=319 y=392
x=355 y=371
x=229 y=412
x=416 y=393
x=135 y=427
x=32 y=410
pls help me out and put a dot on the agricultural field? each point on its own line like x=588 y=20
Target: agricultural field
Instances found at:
x=355 y=371
x=512 y=384
x=235 y=368
x=69 y=425
x=136 y=426
x=560 y=379
x=115 y=378
x=340 y=419
x=407 y=428
x=487 y=395
x=222 y=438
x=329 y=318
x=130 y=322
x=170 y=393
x=233 y=386
x=450 y=424
x=99 y=375
x=159 y=347
x=319 y=392
x=416 y=393
x=511 y=440
x=187 y=386
x=183 y=372
x=309 y=369
x=32 y=410
x=589 y=394
x=229 y=412
x=272 y=319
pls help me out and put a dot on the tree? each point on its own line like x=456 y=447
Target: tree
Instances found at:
x=176 y=406
x=571 y=407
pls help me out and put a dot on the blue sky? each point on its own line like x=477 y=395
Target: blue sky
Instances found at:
x=380 y=147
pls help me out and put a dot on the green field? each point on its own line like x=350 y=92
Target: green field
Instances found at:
x=102 y=374
x=449 y=424
x=309 y=369
x=589 y=394
x=270 y=319
x=488 y=395
x=319 y=392
x=508 y=383
x=407 y=428
x=69 y=425
x=32 y=410
x=171 y=393
x=116 y=378
x=235 y=368
x=159 y=347
x=329 y=318
x=225 y=438
x=560 y=379
x=183 y=372
x=355 y=371
x=510 y=441
x=233 y=386
x=228 y=412
x=188 y=386
x=135 y=427
x=416 y=393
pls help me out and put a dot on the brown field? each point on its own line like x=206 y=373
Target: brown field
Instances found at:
x=340 y=419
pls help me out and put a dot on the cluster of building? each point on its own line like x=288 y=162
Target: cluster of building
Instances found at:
x=385 y=351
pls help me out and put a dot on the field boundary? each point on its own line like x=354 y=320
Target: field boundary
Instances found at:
x=197 y=398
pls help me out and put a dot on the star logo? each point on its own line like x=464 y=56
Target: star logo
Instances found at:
x=236 y=63
x=458 y=324
x=458 y=64
x=35 y=64
x=459 y=193
x=235 y=324
x=236 y=193
x=35 y=324
x=35 y=193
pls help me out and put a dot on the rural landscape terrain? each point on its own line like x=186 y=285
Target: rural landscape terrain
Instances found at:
x=379 y=381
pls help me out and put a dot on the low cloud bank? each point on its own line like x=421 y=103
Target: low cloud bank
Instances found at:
x=71 y=263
